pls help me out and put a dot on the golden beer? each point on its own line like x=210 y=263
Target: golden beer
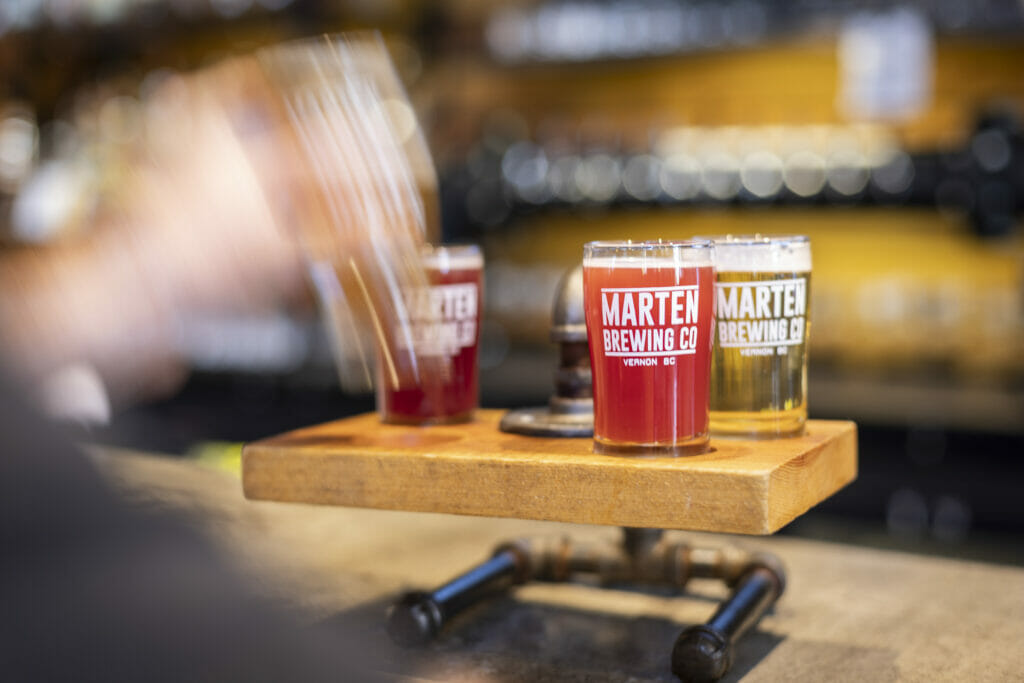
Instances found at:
x=759 y=361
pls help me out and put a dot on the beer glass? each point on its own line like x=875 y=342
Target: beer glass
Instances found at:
x=350 y=176
x=648 y=308
x=444 y=329
x=759 y=363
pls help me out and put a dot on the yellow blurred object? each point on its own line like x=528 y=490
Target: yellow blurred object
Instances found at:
x=892 y=288
x=219 y=455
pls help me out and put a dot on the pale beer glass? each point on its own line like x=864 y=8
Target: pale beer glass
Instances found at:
x=759 y=362
x=648 y=309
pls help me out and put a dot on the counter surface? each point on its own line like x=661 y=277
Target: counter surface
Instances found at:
x=849 y=613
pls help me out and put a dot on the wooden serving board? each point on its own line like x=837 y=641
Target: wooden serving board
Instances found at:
x=749 y=487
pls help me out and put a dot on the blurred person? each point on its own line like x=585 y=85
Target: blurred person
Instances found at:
x=189 y=230
x=249 y=175
x=95 y=589
x=92 y=588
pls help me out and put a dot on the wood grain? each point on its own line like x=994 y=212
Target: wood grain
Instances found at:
x=750 y=487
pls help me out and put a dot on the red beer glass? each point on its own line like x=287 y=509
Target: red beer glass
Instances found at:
x=444 y=330
x=649 y=311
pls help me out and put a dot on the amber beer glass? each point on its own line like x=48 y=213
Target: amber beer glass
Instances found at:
x=444 y=329
x=759 y=363
x=649 y=315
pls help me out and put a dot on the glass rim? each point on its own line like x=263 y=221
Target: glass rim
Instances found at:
x=426 y=248
x=755 y=240
x=444 y=254
x=650 y=245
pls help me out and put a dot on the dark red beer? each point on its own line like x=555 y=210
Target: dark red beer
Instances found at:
x=444 y=333
x=649 y=311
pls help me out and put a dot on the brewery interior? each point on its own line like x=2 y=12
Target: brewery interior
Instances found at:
x=891 y=134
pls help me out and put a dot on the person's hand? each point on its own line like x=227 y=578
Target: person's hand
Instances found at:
x=250 y=175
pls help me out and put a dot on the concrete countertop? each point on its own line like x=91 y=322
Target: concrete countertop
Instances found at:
x=849 y=613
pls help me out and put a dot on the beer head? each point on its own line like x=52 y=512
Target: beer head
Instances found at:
x=648 y=254
x=762 y=254
x=452 y=257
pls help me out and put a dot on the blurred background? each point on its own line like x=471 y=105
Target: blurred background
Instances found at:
x=889 y=133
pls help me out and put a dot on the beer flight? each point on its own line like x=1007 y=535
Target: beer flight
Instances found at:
x=688 y=339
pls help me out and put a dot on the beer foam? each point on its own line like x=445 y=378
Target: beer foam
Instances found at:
x=682 y=254
x=452 y=258
x=687 y=261
x=757 y=254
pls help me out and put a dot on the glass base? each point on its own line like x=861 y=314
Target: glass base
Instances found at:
x=421 y=421
x=694 y=446
x=758 y=425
